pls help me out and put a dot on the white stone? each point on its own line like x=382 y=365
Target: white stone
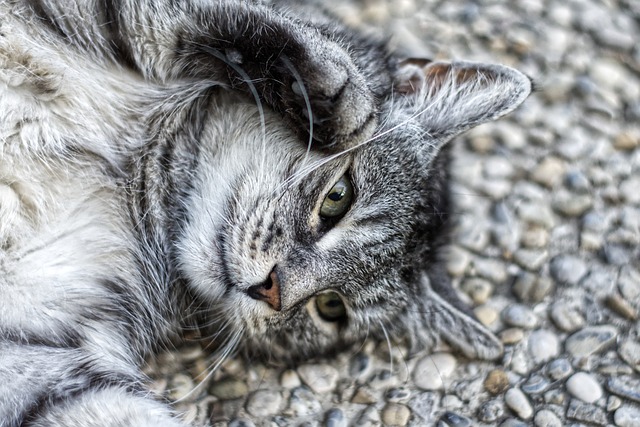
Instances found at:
x=263 y=403
x=585 y=387
x=627 y=416
x=430 y=371
x=543 y=345
x=518 y=402
x=319 y=378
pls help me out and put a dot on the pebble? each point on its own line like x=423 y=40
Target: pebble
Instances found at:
x=578 y=182
x=479 y=290
x=320 y=378
x=616 y=303
x=627 y=416
x=397 y=395
x=518 y=403
x=520 y=316
x=263 y=403
x=625 y=386
x=335 y=418
x=490 y=269
x=289 y=379
x=511 y=335
x=536 y=384
x=559 y=369
x=626 y=141
x=360 y=366
x=629 y=351
x=496 y=382
x=570 y=204
x=546 y=418
x=369 y=417
x=424 y=405
x=430 y=371
x=549 y=172
x=457 y=261
x=395 y=414
x=584 y=386
x=585 y=412
x=629 y=284
x=531 y=259
x=529 y=287
x=566 y=317
x=567 y=269
x=364 y=395
x=228 y=389
x=512 y=422
x=543 y=345
x=591 y=340
x=535 y=237
x=616 y=254
x=485 y=314
x=451 y=419
x=613 y=403
x=491 y=411
x=536 y=213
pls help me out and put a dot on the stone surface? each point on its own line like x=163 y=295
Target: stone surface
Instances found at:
x=546 y=418
x=496 y=382
x=518 y=403
x=520 y=316
x=395 y=414
x=543 y=345
x=591 y=340
x=585 y=387
x=627 y=416
x=263 y=403
x=319 y=378
x=431 y=371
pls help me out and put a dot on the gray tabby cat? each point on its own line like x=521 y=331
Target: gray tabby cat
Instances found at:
x=255 y=169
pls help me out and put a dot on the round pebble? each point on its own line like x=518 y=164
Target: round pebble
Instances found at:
x=549 y=172
x=584 y=386
x=629 y=351
x=496 y=382
x=520 y=316
x=567 y=269
x=290 y=379
x=627 y=416
x=518 y=403
x=511 y=335
x=319 y=378
x=228 y=389
x=485 y=314
x=263 y=403
x=395 y=414
x=559 y=369
x=546 y=418
x=335 y=418
x=537 y=384
x=430 y=371
x=543 y=345
x=491 y=411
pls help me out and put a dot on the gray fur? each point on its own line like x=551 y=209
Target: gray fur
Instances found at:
x=157 y=160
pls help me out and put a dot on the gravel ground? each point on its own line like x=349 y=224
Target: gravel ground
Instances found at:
x=546 y=249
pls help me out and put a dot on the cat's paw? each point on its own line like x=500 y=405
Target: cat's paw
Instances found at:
x=329 y=99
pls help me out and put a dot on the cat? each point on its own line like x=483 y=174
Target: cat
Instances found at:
x=255 y=169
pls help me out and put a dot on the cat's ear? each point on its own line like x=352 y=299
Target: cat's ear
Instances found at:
x=459 y=329
x=453 y=97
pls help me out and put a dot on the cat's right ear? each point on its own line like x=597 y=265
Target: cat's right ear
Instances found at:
x=453 y=97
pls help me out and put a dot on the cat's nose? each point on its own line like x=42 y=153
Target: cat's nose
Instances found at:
x=268 y=291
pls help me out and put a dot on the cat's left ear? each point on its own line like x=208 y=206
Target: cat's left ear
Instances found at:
x=453 y=97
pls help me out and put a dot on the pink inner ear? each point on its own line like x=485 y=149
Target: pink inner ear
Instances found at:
x=418 y=73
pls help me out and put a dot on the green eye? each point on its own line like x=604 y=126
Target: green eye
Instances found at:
x=331 y=307
x=338 y=201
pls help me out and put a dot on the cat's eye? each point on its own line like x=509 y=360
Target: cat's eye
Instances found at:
x=337 y=202
x=331 y=307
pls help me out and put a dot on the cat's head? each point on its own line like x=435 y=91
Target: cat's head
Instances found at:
x=299 y=252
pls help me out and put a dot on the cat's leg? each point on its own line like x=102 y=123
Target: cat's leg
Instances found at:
x=47 y=386
x=294 y=68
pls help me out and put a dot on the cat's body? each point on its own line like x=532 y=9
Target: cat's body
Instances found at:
x=143 y=184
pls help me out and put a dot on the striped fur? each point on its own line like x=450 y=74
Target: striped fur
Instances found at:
x=157 y=159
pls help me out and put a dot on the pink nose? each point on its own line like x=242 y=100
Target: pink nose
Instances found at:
x=268 y=291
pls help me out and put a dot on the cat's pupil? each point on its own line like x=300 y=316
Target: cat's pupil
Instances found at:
x=335 y=196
